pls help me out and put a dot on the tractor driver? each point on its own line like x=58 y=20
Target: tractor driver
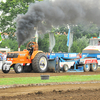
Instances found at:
x=31 y=49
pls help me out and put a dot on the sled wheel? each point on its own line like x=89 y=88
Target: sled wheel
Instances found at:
x=86 y=67
x=39 y=63
x=65 y=67
x=93 y=67
x=18 y=68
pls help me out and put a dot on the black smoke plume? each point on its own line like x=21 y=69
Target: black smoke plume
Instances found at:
x=46 y=14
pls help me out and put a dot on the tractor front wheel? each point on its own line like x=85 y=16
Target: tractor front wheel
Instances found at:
x=39 y=63
x=5 y=69
x=18 y=68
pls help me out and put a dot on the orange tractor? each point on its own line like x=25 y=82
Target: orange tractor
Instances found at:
x=26 y=60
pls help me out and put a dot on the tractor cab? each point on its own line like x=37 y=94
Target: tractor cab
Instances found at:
x=94 y=46
x=94 y=41
x=32 y=46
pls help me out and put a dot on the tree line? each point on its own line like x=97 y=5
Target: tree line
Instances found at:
x=80 y=39
x=11 y=8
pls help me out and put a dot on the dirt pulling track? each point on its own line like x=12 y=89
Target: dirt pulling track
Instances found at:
x=12 y=74
x=62 y=91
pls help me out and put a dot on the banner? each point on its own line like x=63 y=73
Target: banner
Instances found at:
x=51 y=41
x=69 y=39
x=68 y=36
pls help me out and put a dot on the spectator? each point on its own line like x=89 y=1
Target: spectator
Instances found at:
x=98 y=43
x=60 y=52
x=79 y=55
x=48 y=55
x=4 y=56
x=1 y=56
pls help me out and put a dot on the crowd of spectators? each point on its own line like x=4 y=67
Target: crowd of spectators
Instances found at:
x=3 y=56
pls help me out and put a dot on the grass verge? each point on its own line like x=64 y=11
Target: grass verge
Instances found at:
x=34 y=80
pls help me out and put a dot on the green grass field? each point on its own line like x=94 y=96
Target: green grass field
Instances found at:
x=34 y=80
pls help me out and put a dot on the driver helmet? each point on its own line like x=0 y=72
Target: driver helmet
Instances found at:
x=31 y=45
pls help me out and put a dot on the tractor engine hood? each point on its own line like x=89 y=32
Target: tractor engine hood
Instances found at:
x=91 y=49
x=16 y=54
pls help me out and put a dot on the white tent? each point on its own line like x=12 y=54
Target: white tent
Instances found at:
x=5 y=50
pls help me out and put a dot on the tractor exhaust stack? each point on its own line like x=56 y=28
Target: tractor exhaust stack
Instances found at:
x=19 y=48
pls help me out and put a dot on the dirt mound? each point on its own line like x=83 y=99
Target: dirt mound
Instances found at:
x=54 y=92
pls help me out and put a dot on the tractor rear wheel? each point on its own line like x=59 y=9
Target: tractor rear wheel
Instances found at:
x=39 y=63
x=93 y=67
x=86 y=67
x=18 y=68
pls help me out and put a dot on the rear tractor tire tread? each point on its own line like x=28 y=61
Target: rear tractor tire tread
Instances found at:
x=35 y=63
x=86 y=69
x=93 y=68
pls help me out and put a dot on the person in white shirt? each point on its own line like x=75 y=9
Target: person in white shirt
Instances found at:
x=4 y=56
